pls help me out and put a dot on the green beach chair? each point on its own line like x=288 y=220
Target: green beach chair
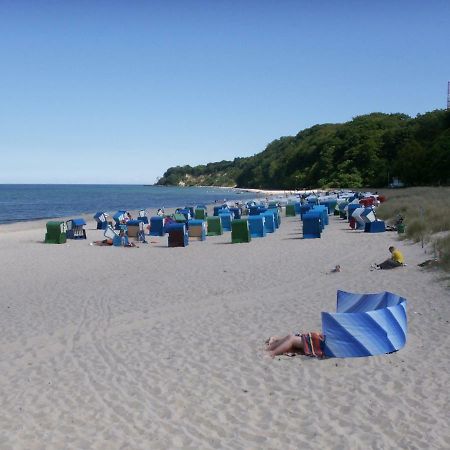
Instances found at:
x=179 y=218
x=214 y=226
x=200 y=214
x=290 y=210
x=240 y=231
x=56 y=233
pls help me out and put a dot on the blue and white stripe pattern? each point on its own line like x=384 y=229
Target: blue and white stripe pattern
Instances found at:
x=365 y=325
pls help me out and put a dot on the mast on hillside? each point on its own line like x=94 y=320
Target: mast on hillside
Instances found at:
x=448 y=95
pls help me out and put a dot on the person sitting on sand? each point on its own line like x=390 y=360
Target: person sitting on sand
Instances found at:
x=308 y=344
x=396 y=260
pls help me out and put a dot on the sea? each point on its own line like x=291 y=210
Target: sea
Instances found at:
x=24 y=202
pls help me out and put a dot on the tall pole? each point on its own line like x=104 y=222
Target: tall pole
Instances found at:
x=448 y=95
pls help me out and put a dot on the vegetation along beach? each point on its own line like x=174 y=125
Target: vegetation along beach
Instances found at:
x=224 y=225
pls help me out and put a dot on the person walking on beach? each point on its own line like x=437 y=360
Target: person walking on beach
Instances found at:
x=396 y=260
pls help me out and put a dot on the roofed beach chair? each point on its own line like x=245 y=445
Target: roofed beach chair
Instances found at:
x=272 y=205
x=312 y=224
x=256 y=210
x=312 y=199
x=269 y=221
x=102 y=220
x=256 y=226
x=304 y=209
x=134 y=227
x=197 y=229
x=240 y=231
x=237 y=212
x=157 y=226
x=75 y=229
x=117 y=239
x=290 y=210
x=214 y=226
x=119 y=218
x=371 y=223
x=179 y=217
x=186 y=213
x=359 y=222
x=191 y=210
x=330 y=204
x=276 y=215
x=56 y=233
x=324 y=211
x=351 y=208
x=226 y=217
x=200 y=214
x=377 y=226
x=178 y=236
x=343 y=210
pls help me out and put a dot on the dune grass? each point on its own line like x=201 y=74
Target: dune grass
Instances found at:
x=426 y=213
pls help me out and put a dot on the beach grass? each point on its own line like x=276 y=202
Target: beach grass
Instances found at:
x=426 y=214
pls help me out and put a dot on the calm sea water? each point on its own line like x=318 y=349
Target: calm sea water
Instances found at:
x=21 y=202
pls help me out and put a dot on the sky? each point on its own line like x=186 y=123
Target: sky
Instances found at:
x=119 y=91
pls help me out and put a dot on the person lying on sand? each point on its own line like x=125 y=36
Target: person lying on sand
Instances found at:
x=105 y=242
x=108 y=242
x=396 y=260
x=308 y=344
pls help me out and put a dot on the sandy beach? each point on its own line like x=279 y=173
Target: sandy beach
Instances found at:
x=163 y=348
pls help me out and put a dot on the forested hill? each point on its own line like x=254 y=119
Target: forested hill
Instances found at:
x=367 y=151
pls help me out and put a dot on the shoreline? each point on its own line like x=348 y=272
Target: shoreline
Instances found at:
x=89 y=214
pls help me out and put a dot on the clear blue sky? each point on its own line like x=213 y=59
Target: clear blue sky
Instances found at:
x=118 y=91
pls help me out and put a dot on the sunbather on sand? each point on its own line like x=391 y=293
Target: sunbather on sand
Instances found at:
x=309 y=344
x=105 y=242
x=108 y=242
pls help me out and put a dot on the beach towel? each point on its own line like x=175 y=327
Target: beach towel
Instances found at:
x=313 y=344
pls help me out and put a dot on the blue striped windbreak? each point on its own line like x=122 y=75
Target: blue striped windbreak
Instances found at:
x=365 y=325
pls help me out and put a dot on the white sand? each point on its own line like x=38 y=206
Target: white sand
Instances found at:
x=162 y=348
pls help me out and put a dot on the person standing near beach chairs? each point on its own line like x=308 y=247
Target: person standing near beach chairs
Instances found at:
x=396 y=260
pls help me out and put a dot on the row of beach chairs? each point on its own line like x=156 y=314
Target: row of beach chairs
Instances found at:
x=242 y=229
x=359 y=211
x=186 y=223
